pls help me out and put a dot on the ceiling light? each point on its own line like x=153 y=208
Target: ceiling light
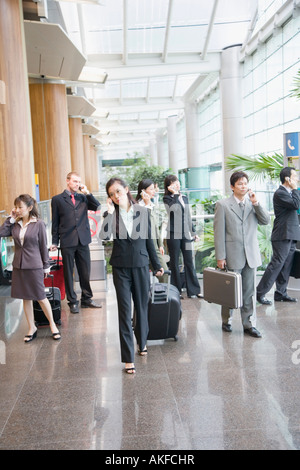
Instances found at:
x=92 y=75
x=93 y=2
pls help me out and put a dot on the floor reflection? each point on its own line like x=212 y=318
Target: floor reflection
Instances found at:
x=208 y=390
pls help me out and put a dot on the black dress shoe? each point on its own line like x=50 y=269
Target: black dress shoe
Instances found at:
x=74 y=308
x=226 y=327
x=90 y=304
x=263 y=300
x=252 y=332
x=283 y=298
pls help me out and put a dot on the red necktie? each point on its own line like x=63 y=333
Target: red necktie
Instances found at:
x=73 y=198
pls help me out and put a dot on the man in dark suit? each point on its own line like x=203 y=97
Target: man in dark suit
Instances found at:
x=70 y=228
x=285 y=233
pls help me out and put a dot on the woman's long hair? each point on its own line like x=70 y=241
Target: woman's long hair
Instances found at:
x=29 y=201
x=122 y=183
x=169 y=180
x=144 y=184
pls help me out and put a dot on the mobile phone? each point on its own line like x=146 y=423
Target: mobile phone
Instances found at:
x=143 y=193
x=287 y=179
x=80 y=188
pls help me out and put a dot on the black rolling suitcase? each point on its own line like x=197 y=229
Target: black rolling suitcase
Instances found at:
x=164 y=310
x=54 y=297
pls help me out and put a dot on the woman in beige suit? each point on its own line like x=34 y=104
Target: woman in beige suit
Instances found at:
x=31 y=261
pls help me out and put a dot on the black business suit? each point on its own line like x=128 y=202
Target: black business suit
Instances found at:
x=180 y=232
x=71 y=230
x=130 y=264
x=285 y=234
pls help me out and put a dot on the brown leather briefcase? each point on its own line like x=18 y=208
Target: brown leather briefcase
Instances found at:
x=222 y=287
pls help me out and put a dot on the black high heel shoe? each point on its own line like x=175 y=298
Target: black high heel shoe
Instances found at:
x=30 y=337
x=56 y=336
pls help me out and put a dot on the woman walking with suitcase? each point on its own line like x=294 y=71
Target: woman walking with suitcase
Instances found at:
x=129 y=224
x=31 y=261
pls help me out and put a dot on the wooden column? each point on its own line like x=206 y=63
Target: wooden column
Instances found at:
x=51 y=141
x=94 y=167
x=87 y=161
x=16 y=153
x=76 y=147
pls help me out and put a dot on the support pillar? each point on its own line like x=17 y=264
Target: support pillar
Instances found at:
x=192 y=136
x=231 y=102
x=16 y=151
x=87 y=162
x=161 y=158
x=51 y=141
x=76 y=146
x=94 y=170
x=153 y=152
x=172 y=142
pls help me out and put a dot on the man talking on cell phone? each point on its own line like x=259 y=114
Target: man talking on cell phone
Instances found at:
x=285 y=234
x=71 y=229
x=236 y=245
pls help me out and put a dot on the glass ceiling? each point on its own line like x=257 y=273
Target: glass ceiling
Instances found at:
x=155 y=53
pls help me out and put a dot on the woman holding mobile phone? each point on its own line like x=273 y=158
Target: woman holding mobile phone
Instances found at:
x=180 y=234
x=145 y=196
x=129 y=225
x=31 y=261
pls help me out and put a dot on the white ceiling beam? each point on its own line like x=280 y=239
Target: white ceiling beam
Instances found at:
x=148 y=90
x=132 y=126
x=138 y=108
x=175 y=88
x=128 y=138
x=81 y=29
x=125 y=32
x=209 y=29
x=145 y=66
x=167 y=35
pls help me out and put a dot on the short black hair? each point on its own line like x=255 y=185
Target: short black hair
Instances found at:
x=286 y=172
x=237 y=175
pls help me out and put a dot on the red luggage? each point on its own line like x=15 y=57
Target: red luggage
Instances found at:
x=56 y=269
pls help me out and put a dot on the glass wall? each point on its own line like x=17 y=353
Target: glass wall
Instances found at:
x=268 y=74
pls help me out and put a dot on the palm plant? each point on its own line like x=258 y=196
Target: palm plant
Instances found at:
x=296 y=83
x=257 y=167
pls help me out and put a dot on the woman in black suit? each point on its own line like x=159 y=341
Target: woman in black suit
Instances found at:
x=180 y=234
x=129 y=224
x=31 y=261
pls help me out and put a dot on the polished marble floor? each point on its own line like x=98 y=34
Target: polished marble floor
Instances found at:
x=208 y=390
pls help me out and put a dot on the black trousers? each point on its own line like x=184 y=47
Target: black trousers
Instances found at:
x=80 y=255
x=132 y=283
x=185 y=246
x=279 y=268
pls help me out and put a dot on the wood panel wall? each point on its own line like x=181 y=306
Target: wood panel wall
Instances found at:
x=87 y=161
x=16 y=152
x=76 y=147
x=51 y=142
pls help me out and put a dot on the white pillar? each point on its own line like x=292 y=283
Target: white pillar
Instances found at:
x=153 y=152
x=231 y=103
x=172 y=143
x=162 y=159
x=192 y=135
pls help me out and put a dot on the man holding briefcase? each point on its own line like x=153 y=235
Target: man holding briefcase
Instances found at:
x=236 y=245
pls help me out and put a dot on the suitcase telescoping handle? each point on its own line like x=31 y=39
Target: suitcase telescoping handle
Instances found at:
x=153 y=285
x=52 y=279
x=56 y=266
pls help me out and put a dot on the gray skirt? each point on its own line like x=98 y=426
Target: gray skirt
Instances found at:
x=28 y=284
